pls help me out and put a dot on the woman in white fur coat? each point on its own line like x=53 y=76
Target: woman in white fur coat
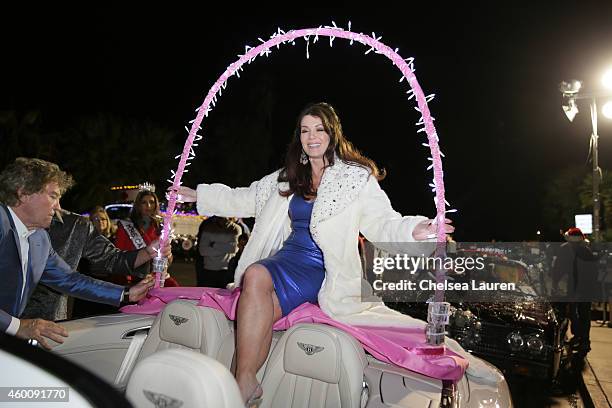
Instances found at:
x=324 y=170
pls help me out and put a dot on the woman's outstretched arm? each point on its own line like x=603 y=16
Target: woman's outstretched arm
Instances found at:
x=381 y=224
x=223 y=201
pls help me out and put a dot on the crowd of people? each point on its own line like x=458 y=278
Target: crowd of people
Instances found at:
x=87 y=260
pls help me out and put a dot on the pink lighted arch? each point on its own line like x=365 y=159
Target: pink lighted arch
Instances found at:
x=265 y=48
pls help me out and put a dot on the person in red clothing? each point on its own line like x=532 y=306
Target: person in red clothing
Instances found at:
x=142 y=228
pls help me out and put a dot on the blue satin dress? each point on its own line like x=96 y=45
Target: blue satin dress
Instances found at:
x=297 y=269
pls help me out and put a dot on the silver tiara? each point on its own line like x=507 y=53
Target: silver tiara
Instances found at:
x=146 y=186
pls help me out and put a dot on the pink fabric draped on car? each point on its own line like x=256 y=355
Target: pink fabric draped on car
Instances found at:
x=399 y=346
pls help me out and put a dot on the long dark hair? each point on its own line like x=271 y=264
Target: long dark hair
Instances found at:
x=138 y=218
x=299 y=175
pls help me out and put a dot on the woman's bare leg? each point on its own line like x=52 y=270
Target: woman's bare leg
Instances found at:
x=258 y=309
x=263 y=355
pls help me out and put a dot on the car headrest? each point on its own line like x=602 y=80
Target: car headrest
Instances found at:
x=181 y=323
x=316 y=351
x=173 y=378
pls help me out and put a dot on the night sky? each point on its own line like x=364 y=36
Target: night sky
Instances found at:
x=494 y=67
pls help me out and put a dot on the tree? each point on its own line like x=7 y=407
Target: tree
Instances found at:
x=585 y=194
x=105 y=149
x=22 y=136
x=570 y=192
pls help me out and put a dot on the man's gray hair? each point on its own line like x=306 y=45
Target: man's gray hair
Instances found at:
x=29 y=176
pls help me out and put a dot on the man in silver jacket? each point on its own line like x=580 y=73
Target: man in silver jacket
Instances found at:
x=74 y=237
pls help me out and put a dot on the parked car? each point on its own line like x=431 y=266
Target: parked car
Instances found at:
x=118 y=211
x=519 y=331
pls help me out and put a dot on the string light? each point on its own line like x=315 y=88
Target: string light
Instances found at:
x=280 y=37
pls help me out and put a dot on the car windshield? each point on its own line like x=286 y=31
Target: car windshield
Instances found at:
x=514 y=272
x=118 y=211
x=500 y=269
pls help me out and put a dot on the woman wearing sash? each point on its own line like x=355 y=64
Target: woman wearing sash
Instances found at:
x=142 y=228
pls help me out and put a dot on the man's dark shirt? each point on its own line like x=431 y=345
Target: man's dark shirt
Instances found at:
x=577 y=264
x=74 y=237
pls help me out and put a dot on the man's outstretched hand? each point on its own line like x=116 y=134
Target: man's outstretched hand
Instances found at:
x=140 y=290
x=39 y=329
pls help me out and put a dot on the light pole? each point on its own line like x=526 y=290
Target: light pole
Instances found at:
x=571 y=93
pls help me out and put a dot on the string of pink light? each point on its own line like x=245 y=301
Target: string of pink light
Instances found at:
x=280 y=38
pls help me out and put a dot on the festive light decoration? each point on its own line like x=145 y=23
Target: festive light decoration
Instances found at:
x=373 y=44
x=124 y=187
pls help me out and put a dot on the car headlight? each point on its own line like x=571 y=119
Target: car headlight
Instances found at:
x=460 y=320
x=463 y=318
x=535 y=344
x=515 y=341
x=467 y=327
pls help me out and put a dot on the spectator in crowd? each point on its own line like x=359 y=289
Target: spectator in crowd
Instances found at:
x=199 y=259
x=142 y=228
x=245 y=228
x=233 y=263
x=217 y=244
x=576 y=264
x=101 y=221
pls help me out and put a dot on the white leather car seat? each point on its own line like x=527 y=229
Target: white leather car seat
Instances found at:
x=184 y=325
x=182 y=378
x=315 y=366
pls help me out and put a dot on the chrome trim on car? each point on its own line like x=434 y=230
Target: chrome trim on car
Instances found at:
x=128 y=334
x=449 y=397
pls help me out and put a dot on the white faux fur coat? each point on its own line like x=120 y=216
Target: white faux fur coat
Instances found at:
x=348 y=201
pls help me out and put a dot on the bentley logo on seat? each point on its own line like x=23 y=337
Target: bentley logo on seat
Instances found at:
x=310 y=349
x=178 y=320
x=161 y=400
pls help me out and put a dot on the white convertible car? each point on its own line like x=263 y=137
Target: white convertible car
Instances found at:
x=183 y=358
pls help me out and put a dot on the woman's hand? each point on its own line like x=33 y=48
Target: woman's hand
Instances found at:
x=428 y=229
x=184 y=194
